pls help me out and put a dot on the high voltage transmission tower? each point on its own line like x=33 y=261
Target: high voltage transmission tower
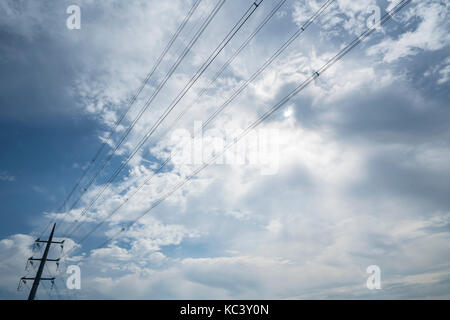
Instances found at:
x=38 y=277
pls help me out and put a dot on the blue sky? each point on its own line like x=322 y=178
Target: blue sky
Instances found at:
x=363 y=176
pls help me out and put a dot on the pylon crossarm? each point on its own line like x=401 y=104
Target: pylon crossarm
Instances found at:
x=46 y=241
x=39 y=259
x=48 y=279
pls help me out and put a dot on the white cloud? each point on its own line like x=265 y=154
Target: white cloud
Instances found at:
x=430 y=34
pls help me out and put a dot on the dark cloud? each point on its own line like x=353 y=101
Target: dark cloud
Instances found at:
x=399 y=175
x=36 y=79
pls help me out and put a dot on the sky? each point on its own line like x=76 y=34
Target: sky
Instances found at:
x=352 y=172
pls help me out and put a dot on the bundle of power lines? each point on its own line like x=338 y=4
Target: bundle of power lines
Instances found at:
x=74 y=226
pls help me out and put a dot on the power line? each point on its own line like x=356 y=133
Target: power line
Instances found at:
x=227 y=63
x=130 y=104
x=226 y=103
x=197 y=35
x=178 y=98
x=272 y=110
x=276 y=107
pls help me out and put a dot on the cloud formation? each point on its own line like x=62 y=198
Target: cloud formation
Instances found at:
x=363 y=155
